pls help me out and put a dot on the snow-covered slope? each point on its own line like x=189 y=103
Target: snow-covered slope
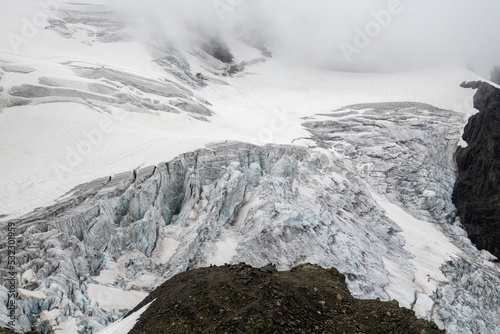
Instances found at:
x=90 y=108
x=68 y=137
x=359 y=174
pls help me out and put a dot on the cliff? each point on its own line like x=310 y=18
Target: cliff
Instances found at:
x=477 y=190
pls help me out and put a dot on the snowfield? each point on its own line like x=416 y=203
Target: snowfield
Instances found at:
x=64 y=143
x=351 y=170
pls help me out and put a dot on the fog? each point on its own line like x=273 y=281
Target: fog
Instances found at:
x=376 y=35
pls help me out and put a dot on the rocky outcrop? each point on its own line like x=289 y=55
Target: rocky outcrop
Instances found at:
x=477 y=189
x=218 y=49
x=242 y=299
x=10 y=331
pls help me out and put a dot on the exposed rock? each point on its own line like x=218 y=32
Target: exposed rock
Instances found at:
x=240 y=67
x=477 y=190
x=236 y=68
x=242 y=299
x=10 y=331
x=218 y=49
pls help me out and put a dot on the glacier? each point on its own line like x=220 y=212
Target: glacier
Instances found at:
x=129 y=170
x=334 y=204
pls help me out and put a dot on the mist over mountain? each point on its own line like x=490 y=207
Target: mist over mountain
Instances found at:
x=398 y=35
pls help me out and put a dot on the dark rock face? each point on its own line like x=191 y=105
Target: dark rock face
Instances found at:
x=477 y=189
x=11 y=331
x=243 y=299
x=219 y=50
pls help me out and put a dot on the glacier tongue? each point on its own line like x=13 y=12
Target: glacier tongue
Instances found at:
x=373 y=199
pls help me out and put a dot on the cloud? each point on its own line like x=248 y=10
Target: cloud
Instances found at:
x=315 y=32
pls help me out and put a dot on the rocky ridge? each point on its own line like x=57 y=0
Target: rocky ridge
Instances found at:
x=477 y=190
x=243 y=299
